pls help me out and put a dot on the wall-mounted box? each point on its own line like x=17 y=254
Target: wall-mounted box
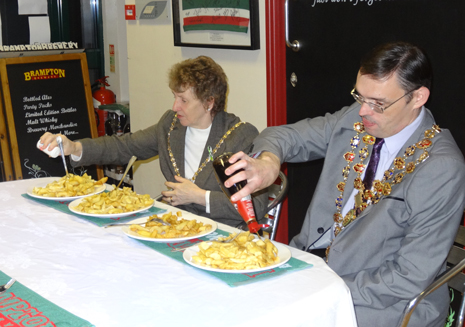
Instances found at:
x=147 y=9
x=130 y=12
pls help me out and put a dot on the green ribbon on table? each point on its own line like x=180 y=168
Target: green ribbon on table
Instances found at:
x=20 y=306
x=172 y=250
x=63 y=207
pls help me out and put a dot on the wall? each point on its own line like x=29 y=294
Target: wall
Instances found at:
x=114 y=32
x=150 y=53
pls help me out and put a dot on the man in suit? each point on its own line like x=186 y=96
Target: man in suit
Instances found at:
x=387 y=235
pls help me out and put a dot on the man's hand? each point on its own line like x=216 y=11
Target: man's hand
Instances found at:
x=183 y=192
x=259 y=173
x=69 y=146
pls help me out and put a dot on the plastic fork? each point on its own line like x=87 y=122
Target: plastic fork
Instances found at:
x=60 y=145
x=227 y=241
x=217 y=240
x=161 y=221
x=4 y=288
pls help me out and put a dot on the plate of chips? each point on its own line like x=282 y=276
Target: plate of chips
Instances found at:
x=115 y=203
x=66 y=189
x=253 y=255
x=181 y=229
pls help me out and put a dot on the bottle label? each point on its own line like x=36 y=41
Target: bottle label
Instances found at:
x=245 y=208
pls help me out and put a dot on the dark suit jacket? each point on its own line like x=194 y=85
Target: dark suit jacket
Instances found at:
x=152 y=141
x=396 y=247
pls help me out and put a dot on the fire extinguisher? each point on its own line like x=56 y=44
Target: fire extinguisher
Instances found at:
x=100 y=97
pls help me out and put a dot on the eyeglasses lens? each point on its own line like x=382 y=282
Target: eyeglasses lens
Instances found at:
x=361 y=100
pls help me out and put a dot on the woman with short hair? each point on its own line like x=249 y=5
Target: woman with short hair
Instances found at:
x=185 y=139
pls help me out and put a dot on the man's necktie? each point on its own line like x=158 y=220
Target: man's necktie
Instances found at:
x=373 y=164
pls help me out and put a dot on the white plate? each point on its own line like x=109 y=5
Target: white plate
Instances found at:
x=42 y=182
x=199 y=219
x=110 y=215
x=284 y=255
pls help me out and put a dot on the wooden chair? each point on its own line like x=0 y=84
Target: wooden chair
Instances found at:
x=453 y=275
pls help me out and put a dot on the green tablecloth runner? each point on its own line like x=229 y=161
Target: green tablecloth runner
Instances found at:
x=170 y=250
x=20 y=306
x=63 y=207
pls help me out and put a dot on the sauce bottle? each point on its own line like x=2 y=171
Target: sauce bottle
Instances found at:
x=245 y=205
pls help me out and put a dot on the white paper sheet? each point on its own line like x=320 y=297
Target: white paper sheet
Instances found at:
x=32 y=7
x=39 y=29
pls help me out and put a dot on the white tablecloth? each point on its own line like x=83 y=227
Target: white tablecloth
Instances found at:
x=109 y=279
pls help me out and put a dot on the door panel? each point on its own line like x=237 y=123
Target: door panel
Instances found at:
x=335 y=35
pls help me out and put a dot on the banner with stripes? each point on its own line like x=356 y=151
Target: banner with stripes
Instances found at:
x=224 y=15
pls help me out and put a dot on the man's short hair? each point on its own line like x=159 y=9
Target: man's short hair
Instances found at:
x=411 y=64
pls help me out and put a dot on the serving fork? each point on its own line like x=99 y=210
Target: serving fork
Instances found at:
x=227 y=241
x=60 y=145
x=158 y=220
x=216 y=240
x=4 y=288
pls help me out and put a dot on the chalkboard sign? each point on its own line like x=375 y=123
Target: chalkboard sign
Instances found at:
x=6 y=168
x=46 y=94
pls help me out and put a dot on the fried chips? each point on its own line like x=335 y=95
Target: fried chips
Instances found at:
x=114 y=202
x=180 y=227
x=69 y=186
x=243 y=253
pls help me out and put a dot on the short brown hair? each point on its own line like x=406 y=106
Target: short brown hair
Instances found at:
x=411 y=64
x=206 y=78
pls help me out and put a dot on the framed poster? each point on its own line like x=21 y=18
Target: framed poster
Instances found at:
x=227 y=24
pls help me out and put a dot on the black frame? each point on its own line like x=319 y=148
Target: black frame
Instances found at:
x=253 y=35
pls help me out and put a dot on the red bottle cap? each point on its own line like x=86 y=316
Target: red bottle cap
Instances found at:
x=245 y=209
x=254 y=227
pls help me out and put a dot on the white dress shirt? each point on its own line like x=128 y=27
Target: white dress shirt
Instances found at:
x=195 y=140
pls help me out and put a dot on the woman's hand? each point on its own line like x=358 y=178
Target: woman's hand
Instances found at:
x=183 y=192
x=69 y=147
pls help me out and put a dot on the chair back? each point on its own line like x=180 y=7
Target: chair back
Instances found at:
x=276 y=194
x=453 y=275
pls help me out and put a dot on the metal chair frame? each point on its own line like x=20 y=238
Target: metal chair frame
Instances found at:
x=454 y=276
x=277 y=192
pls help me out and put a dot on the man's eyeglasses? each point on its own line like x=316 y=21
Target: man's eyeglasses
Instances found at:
x=374 y=106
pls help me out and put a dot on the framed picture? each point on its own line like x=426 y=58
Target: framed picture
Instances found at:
x=227 y=24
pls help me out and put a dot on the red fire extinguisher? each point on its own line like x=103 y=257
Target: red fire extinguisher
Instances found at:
x=102 y=96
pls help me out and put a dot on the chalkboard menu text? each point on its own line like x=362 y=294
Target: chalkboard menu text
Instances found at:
x=46 y=94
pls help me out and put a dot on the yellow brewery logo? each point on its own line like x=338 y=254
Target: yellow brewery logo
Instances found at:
x=45 y=73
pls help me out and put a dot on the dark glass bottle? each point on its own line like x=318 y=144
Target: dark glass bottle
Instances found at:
x=244 y=205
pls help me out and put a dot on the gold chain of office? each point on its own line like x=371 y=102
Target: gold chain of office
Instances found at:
x=202 y=166
x=382 y=188
x=365 y=197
